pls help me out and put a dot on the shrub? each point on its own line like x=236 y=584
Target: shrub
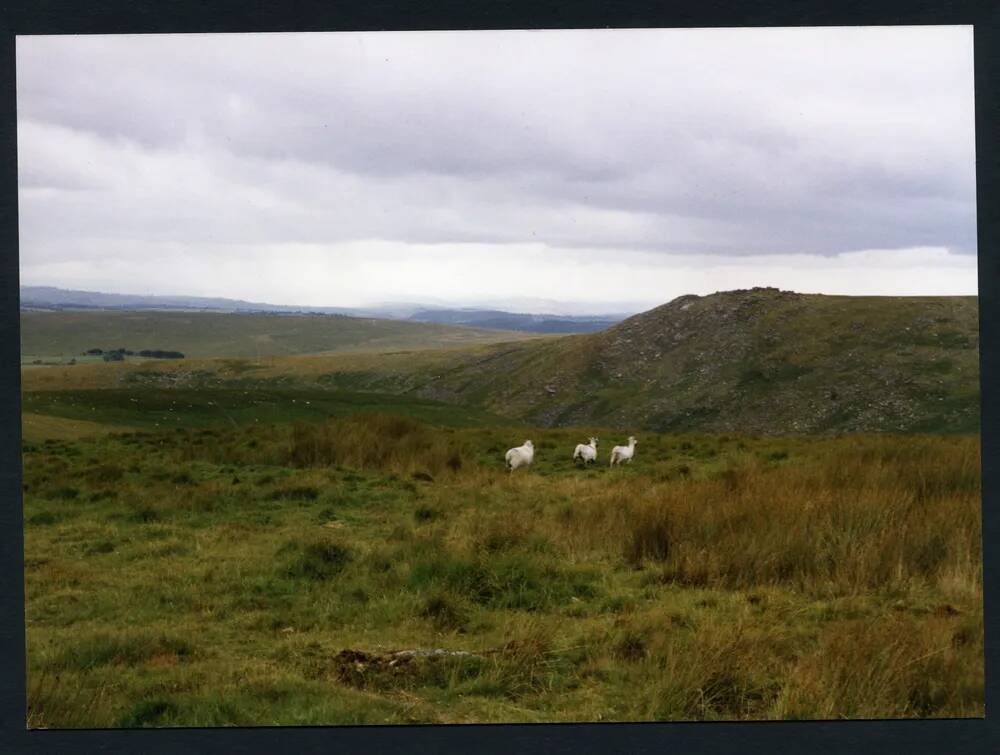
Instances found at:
x=143 y=513
x=444 y=612
x=104 y=546
x=316 y=561
x=376 y=441
x=295 y=493
x=157 y=711
x=630 y=647
x=425 y=513
x=105 y=473
x=502 y=583
x=42 y=517
x=650 y=536
x=889 y=668
x=125 y=650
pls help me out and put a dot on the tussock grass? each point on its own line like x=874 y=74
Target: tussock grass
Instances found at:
x=899 y=667
x=319 y=559
x=881 y=518
x=119 y=649
x=218 y=583
x=375 y=441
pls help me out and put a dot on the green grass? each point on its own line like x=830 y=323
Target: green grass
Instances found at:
x=750 y=362
x=60 y=335
x=244 y=541
x=150 y=407
x=756 y=361
x=211 y=574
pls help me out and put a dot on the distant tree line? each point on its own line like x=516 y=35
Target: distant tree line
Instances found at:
x=118 y=355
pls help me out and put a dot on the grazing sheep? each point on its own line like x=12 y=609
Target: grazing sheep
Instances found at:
x=586 y=452
x=623 y=453
x=522 y=456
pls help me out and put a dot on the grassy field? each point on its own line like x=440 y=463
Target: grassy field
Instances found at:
x=296 y=538
x=758 y=361
x=286 y=556
x=183 y=407
x=51 y=336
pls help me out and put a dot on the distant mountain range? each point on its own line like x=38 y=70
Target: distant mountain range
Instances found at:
x=498 y=320
x=49 y=297
x=52 y=298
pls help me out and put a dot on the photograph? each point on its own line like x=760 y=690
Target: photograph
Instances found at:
x=499 y=376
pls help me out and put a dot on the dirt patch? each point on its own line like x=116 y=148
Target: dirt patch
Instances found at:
x=946 y=610
x=163 y=660
x=400 y=668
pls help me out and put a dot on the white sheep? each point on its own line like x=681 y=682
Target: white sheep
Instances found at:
x=522 y=456
x=586 y=452
x=623 y=453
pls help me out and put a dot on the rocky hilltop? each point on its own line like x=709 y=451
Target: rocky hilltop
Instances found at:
x=759 y=360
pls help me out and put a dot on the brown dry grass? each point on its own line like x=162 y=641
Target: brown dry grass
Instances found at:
x=771 y=578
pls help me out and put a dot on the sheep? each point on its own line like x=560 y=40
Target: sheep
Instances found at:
x=586 y=452
x=623 y=453
x=522 y=456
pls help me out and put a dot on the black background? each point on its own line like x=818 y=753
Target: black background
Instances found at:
x=121 y=16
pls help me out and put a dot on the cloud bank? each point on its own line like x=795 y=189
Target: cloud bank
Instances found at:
x=599 y=168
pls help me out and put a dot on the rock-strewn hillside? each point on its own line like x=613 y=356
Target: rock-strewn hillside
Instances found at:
x=759 y=360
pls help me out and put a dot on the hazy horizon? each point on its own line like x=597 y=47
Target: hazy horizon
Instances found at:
x=603 y=171
x=546 y=307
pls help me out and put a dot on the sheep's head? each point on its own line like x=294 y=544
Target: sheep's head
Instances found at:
x=632 y=441
x=593 y=441
x=529 y=444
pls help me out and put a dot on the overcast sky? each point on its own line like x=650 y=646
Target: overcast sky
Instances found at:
x=561 y=170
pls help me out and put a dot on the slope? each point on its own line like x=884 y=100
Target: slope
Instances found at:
x=759 y=360
x=215 y=334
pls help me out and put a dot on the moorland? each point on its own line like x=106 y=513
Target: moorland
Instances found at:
x=307 y=520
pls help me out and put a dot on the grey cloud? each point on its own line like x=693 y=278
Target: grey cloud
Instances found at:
x=808 y=141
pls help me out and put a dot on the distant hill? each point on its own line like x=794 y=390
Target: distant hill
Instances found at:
x=225 y=334
x=759 y=360
x=752 y=361
x=51 y=298
x=489 y=318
